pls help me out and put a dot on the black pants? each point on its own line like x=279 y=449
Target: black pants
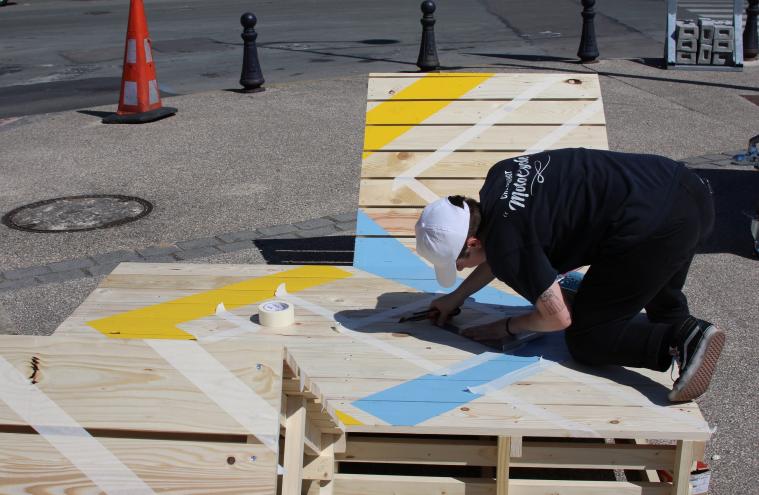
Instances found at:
x=606 y=325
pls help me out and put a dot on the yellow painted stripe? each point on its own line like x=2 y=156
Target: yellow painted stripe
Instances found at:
x=347 y=419
x=160 y=321
x=439 y=87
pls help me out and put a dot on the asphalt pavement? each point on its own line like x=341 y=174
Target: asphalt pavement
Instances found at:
x=231 y=163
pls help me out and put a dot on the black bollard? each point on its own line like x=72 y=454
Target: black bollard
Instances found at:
x=750 y=42
x=427 y=60
x=588 y=51
x=251 y=77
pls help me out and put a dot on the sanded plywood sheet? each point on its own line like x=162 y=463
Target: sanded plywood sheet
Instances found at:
x=371 y=353
x=30 y=464
x=128 y=386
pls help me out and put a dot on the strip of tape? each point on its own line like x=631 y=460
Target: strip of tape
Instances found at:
x=509 y=378
x=468 y=363
x=243 y=326
x=635 y=399
x=83 y=450
x=574 y=429
x=408 y=178
x=223 y=387
x=367 y=339
x=568 y=126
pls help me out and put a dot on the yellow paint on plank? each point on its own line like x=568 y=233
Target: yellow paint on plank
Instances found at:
x=347 y=419
x=160 y=320
x=437 y=91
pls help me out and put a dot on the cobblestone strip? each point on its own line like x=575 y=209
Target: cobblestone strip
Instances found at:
x=101 y=264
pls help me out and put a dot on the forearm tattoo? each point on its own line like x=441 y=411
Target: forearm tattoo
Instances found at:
x=553 y=303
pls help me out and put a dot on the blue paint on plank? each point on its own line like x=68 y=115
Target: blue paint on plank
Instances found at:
x=428 y=396
x=388 y=258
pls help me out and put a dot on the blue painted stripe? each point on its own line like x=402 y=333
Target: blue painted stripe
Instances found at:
x=388 y=258
x=428 y=396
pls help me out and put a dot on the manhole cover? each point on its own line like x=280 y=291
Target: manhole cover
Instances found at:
x=77 y=213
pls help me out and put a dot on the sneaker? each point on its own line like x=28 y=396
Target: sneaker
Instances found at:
x=699 y=344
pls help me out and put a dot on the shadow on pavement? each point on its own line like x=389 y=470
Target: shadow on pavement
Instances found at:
x=333 y=250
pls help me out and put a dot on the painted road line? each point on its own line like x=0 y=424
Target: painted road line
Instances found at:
x=160 y=321
x=432 y=93
x=53 y=424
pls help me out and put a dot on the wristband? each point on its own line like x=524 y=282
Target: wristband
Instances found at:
x=508 y=330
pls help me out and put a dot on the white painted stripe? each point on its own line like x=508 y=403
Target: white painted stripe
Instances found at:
x=420 y=189
x=83 y=450
x=554 y=136
x=362 y=337
x=148 y=52
x=630 y=397
x=153 y=92
x=131 y=54
x=223 y=387
x=130 y=93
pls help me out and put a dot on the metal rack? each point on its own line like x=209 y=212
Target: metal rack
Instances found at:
x=670 y=42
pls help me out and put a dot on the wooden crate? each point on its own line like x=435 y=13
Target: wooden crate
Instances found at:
x=330 y=368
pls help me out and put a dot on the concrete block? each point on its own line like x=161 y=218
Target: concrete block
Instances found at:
x=62 y=266
x=277 y=230
x=344 y=217
x=20 y=273
x=61 y=276
x=314 y=223
x=320 y=232
x=704 y=54
x=687 y=45
x=157 y=251
x=706 y=31
x=245 y=235
x=686 y=30
x=720 y=58
x=722 y=32
x=115 y=257
x=200 y=252
x=685 y=58
x=723 y=46
x=199 y=243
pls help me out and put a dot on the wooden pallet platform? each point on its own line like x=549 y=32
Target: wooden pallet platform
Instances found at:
x=336 y=374
x=433 y=135
x=88 y=416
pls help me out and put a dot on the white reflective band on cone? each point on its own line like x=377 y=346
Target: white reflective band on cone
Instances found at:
x=148 y=53
x=53 y=424
x=130 y=93
x=153 y=92
x=131 y=54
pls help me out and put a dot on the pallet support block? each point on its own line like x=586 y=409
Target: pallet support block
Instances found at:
x=502 y=466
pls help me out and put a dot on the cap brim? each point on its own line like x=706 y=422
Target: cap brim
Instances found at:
x=446 y=274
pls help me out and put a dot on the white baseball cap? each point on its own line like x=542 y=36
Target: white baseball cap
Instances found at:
x=441 y=232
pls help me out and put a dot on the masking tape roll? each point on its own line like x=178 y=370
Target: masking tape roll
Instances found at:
x=276 y=314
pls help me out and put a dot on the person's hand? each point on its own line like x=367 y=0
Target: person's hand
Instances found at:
x=490 y=331
x=443 y=307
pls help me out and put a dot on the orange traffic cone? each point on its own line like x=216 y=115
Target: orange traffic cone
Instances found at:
x=140 y=100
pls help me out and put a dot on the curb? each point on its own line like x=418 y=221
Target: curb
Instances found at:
x=102 y=264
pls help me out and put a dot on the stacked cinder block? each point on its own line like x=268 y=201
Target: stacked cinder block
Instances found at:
x=707 y=42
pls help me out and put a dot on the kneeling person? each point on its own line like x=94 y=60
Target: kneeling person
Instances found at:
x=635 y=219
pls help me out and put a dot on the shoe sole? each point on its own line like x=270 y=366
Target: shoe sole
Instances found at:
x=696 y=379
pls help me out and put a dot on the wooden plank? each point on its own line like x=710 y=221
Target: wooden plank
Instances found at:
x=683 y=464
x=475 y=164
x=505 y=86
x=125 y=385
x=295 y=429
x=365 y=484
x=31 y=465
x=498 y=138
x=502 y=466
x=471 y=112
x=535 y=454
x=380 y=193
